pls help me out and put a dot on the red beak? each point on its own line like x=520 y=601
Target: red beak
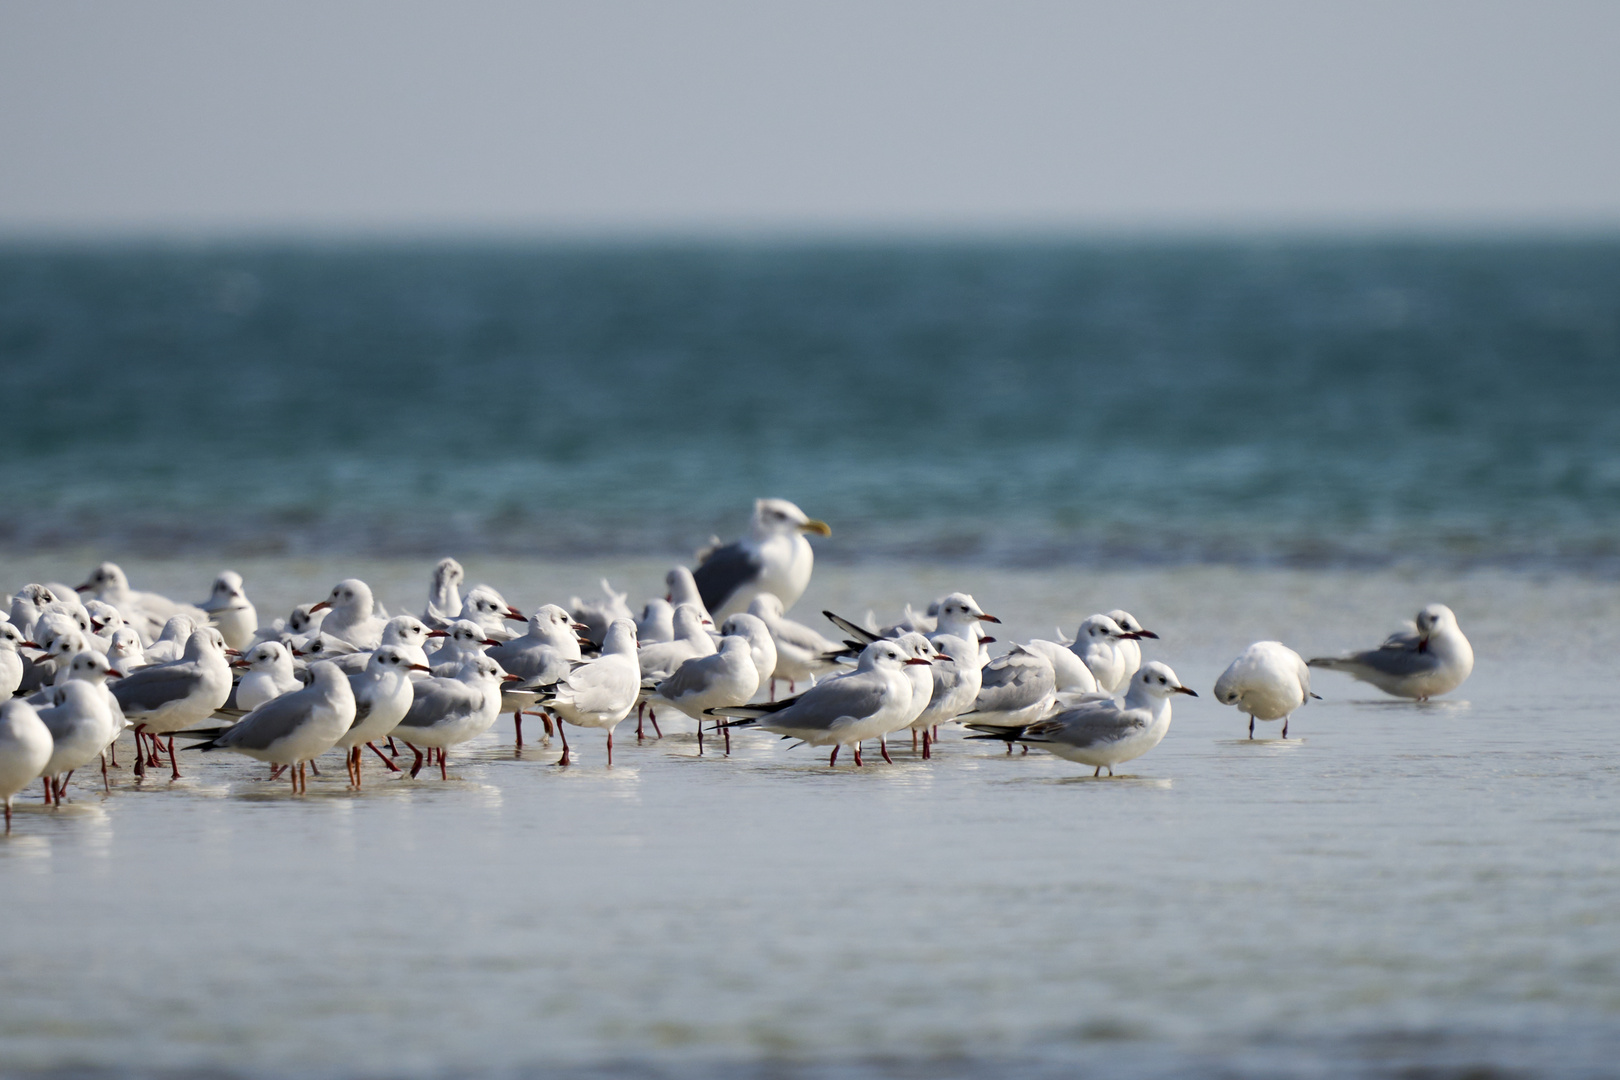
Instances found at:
x=511 y=678
x=437 y=633
x=488 y=641
x=420 y=667
x=115 y=673
x=988 y=618
x=579 y=628
x=515 y=615
x=322 y=606
x=918 y=660
x=86 y=587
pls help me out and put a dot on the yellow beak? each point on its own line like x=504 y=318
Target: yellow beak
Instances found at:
x=820 y=528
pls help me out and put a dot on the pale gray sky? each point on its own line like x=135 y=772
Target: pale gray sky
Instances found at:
x=212 y=116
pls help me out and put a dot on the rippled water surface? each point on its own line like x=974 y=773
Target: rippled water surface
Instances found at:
x=1400 y=890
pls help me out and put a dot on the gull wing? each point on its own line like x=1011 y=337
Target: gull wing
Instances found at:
x=436 y=699
x=149 y=688
x=1088 y=724
x=275 y=719
x=726 y=570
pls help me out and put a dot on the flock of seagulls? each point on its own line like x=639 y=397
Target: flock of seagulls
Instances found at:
x=80 y=666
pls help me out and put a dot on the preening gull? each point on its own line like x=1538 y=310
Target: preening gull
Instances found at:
x=351 y=614
x=1100 y=731
x=444 y=593
x=597 y=616
x=1268 y=681
x=774 y=557
x=1430 y=659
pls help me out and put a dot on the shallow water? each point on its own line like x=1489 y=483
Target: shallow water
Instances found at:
x=1397 y=890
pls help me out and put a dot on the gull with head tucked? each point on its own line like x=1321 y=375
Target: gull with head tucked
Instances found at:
x=1267 y=681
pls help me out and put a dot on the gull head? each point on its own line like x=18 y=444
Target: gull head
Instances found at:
x=886 y=653
x=265 y=656
x=350 y=596
x=448 y=573
x=392 y=658
x=106 y=578
x=1129 y=624
x=92 y=667
x=773 y=517
x=404 y=630
x=485 y=603
x=226 y=593
x=1436 y=618
x=1157 y=680
x=1101 y=628
x=959 y=607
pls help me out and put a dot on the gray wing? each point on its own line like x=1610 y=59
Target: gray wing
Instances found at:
x=361 y=685
x=826 y=703
x=438 y=698
x=1013 y=682
x=1399 y=662
x=151 y=688
x=690 y=677
x=725 y=571
x=1086 y=725
x=275 y=719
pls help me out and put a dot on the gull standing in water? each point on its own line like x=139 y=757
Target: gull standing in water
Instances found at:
x=447 y=712
x=81 y=726
x=269 y=674
x=723 y=678
x=165 y=698
x=844 y=710
x=1431 y=659
x=288 y=731
x=773 y=558
x=540 y=657
x=599 y=693
x=1016 y=689
x=1268 y=681
x=383 y=694
x=25 y=749
x=1100 y=731
x=230 y=609
x=957 y=677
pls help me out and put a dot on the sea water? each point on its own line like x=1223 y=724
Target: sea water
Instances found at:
x=1234 y=441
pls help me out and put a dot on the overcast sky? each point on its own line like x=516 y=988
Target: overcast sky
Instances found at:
x=325 y=116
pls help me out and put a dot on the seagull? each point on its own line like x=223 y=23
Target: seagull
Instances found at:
x=81 y=726
x=403 y=631
x=844 y=710
x=1098 y=644
x=489 y=609
x=922 y=687
x=598 y=616
x=91 y=667
x=27 y=604
x=171 y=643
x=124 y=650
x=383 y=694
x=269 y=674
x=465 y=640
x=25 y=749
x=957 y=678
x=447 y=712
x=657 y=622
x=292 y=729
x=229 y=609
x=659 y=660
x=1268 y=681
x=444 y=593
x=1130 y=647
x=1431 y=659
x=540 y=657
x=801 y=653
x=1100 y=731
x=11 y=661
x=1016 y=689
x=961 y=616
x=165 y=698
x=146 y=612
x=1070 y=672
x=352 y=615
x=682 y=589
x=774 y=557
x=60 y=640
x=601 y=692
x=724 y=678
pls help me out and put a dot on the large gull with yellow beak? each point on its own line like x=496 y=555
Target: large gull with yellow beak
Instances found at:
x=773 y=558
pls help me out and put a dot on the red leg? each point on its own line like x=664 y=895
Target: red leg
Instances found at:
x=313 y=769
x=517 y=722
x=727 y=729
x=564 y=733
x=442 y=774
x=385 y=760
x=883 y=748
x=140 y=756
x=926 y=743
x=700 y=738
x=641 y=708
x=610 y=748
x=834 y=759
x=858 y=760
x=392 y=749
x=276 y=771
x=50 y=792
x=913 y=740
x=174 y=762
x=416 y=768
x=652 y=714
